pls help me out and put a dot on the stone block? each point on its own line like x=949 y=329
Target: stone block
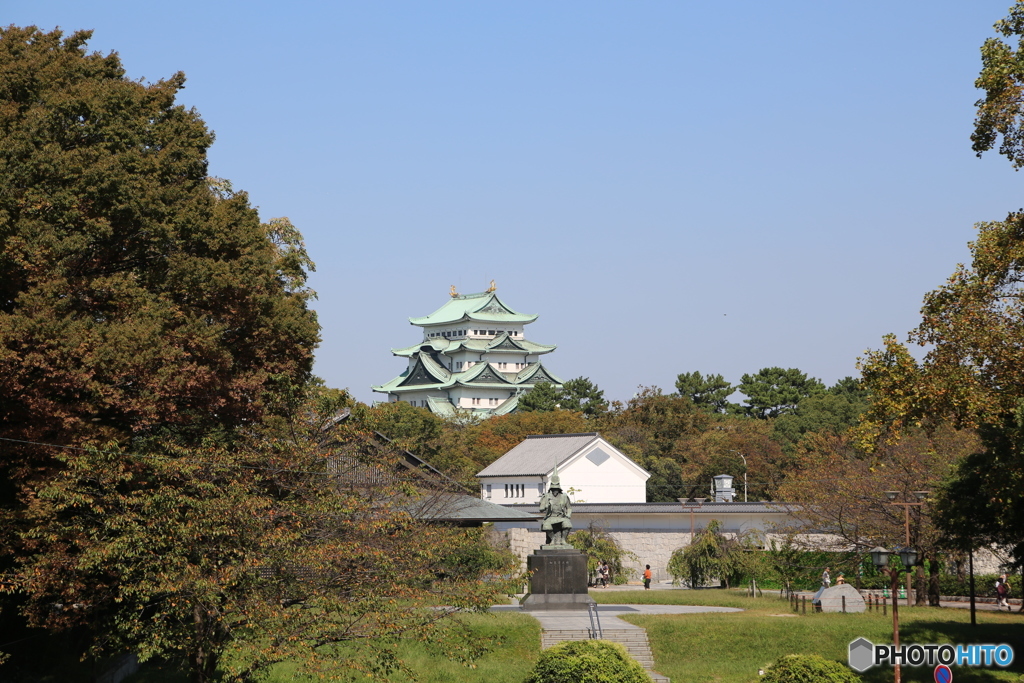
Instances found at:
x=558 y=580
x=831 y=599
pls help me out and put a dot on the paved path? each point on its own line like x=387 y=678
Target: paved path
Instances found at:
x=560 y=625
x=578 y=619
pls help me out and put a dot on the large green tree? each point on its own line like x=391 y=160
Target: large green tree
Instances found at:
x=578 y=394
x=775 y=391
x=138 y=296
x=142 y=303
x=711 y=392
x=835 y=410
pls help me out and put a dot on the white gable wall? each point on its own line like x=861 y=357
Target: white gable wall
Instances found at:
x=600 y=474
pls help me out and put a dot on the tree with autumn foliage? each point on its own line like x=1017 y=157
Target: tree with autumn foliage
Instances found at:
x=310 y=542
x=838 y=487
x=973 y=371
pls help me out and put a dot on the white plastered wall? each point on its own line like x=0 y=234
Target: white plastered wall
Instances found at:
x=600 y=474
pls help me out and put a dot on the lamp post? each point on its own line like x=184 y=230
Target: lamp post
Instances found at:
x=744 y=473
x=920 y=495
x=880 y=558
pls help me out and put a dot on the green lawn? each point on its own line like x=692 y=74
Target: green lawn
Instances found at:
x=730 y=648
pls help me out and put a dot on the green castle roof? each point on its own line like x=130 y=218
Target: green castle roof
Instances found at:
x=483 y=307
x=427 y=374
x=500 y=343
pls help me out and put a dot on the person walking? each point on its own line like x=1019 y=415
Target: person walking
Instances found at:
x=826 y=578
x=602 y=574
x=1002 y=592
x=647 y=578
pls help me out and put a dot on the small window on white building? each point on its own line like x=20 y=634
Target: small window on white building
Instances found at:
x=540 y=489
x=506 y=490
x=488 y=490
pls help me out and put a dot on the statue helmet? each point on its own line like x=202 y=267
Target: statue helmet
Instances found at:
x=554 y=482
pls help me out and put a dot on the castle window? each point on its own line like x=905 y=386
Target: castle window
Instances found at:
x=490 y=331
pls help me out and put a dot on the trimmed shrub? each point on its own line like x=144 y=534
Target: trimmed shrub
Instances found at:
x=593 y=661
x=808 y=669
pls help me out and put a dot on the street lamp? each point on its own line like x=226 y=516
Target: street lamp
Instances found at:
x=744 y=473
x=920 y=496
x=880 y=558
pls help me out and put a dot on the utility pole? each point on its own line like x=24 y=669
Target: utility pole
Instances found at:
x=920 y=495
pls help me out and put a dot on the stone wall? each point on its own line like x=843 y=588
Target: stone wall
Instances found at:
x=655 y=547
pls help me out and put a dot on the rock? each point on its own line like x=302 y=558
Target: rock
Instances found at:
x=831 y=599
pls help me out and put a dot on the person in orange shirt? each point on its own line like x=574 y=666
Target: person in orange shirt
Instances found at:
x=647 y=578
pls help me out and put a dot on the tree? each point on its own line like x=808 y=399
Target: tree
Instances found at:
x=711 y=555
x=141 y=301
x=973 y=372
x=972 y=375
x=839 y=487
x=302 y=541
x=598 y=545
x=650 y=428
x=717 y=450
x=483 y=443
x=1002 y=79
x=773 y=391
x=835 y=410
x=583 y=395
x=542 y=397
x=711 y=392
x=139 y=298
x=578 y=394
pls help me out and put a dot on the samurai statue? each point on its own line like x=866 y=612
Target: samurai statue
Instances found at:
x=557 y=509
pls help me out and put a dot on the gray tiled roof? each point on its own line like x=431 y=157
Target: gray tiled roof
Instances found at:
x=668 y=508
x=536 y=455
x=463 y=508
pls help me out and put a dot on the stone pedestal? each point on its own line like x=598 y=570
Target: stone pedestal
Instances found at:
x=558 y=580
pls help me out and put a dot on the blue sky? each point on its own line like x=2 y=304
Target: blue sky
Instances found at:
x=672 y=186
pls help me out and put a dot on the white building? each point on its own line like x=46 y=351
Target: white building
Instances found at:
x=591 y=469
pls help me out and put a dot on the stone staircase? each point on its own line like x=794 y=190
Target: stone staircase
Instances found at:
x=633 y=639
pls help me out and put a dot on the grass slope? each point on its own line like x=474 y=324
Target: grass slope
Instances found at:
x=516 y=639
x=730 y=648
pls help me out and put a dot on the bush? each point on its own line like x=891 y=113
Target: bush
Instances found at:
x=808 y=669
x=984 y=585
x=597 y=661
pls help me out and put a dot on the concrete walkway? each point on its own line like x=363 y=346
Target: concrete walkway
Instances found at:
x=558 y=626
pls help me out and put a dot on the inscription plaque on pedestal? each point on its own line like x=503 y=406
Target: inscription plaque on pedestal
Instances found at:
x=558 y=580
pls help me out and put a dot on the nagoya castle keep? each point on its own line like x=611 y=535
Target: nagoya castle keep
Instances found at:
x=474 y=356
